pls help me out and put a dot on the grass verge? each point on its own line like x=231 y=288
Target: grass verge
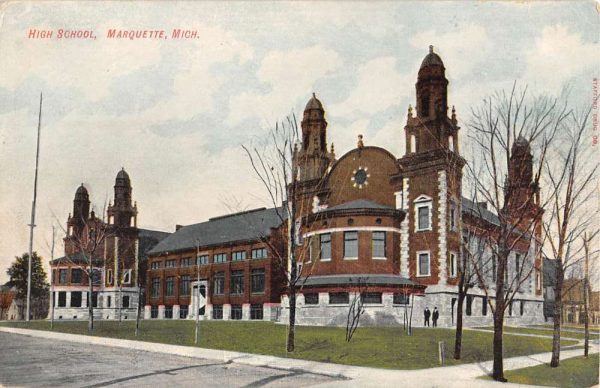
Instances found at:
x=531 y=330
x=574 y=372
x=381 y=347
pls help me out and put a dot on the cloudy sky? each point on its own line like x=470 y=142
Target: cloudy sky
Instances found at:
x=174 y=113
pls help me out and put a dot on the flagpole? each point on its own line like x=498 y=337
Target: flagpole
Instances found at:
x=32 y=225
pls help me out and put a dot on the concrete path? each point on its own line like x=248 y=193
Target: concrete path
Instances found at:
x=349 y=376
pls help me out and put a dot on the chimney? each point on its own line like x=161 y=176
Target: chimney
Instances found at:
x=177 y=227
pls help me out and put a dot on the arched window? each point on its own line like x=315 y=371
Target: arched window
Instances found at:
x=413 y=143
x=451 y=143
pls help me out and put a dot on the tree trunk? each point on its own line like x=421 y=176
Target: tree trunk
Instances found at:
x=91 y=300
x=292 y=326
x=459 y=325
x=139 y=310
x=586 y=298
x=555 y=360
x=498 y=368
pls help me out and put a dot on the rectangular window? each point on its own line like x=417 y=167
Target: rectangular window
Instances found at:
x=202 y=260
x=169 y=312
x=186 y=262
x=108 y=301
x=126 y=277
x=538 y=280
x=311 y=298
x=237 y=282
x=155 y=291
x=76 y=275
x=236 y=311
x=183 y=311
x=238 y=256
x=371 y=297
x=258 y=280
x=94 y=299
x=522 y=307
x=350 y=245
x=154 y=312
x=325 y=240
x=469 y=304
x=62 y=276
x=401 y=298
x=423 y=269
x=220 y=258
x=260 y=253
x=256 y=311
x=378 y=245
x=452 y=215
x=518 y=264
x=170 y=264
x=339 y=298
x=170 y=286
x=423 y=217
x=109 y=276
x=453 y=267
x=184 y=285
x=219 y=283
x=155 y=265
x=126 y=302
x=217 y=312
x=75 y=299
x=62 y=299
x=484 y=303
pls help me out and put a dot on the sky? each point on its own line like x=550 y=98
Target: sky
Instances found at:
x=175 y=112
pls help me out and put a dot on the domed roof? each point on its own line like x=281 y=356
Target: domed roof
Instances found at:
x=123 y=175
x=314 y=103
x=81 y=193
x=432 y=59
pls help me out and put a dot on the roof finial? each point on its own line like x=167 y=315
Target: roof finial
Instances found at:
x=410 y=108
x=431 y=49
x=360 y=143
x=314 y=95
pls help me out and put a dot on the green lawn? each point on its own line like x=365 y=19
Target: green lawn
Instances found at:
x=574 y=372
x=383 y=347
x=530 y=330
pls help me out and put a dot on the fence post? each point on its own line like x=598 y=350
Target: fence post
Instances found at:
x=442 y=352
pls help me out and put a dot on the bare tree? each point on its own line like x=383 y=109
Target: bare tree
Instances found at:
x=356 y=309
x=275 y=165
x=503 y=129
x=571 y=173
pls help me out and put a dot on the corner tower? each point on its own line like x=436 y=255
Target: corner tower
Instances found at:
x=431 y=182
x=122 y=213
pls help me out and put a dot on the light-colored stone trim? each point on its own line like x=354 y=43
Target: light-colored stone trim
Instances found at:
x=354 y=229
x=404 y=232
x=442 y=226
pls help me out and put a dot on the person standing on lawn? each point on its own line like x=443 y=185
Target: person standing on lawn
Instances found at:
x=427 y=314
x=435 y=316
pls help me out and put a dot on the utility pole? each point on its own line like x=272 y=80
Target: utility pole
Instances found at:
x=52 y=279
x=197 y=305
x=586 y=297
x=32 y=224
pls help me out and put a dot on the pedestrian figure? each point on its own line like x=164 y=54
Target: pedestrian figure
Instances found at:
x=435 y=316
x=427 y=314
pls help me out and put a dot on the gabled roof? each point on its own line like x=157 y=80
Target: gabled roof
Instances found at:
x=359 y=204
x=244 y=226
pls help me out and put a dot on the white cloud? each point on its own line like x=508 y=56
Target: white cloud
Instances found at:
x=461 y=50
x=289 y=75
x=379 y=86
x=558 y=55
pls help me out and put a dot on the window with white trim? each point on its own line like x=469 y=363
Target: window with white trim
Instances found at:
x=351 y=245
x=127 y=276
x=452 y=215
x=109 y=277
x=423 y=216
x=325 y=246
x=423 y=264
x=453 y=265
x=220 y=258
x=378 y=245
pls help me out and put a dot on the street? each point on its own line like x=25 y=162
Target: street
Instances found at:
x=34 y=362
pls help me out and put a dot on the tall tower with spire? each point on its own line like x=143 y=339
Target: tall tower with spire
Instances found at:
x=431 y=181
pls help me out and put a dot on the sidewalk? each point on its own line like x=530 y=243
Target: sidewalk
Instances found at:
x=451 y=376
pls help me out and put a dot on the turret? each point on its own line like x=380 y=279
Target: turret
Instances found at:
x=121 y=213
x=312 y=158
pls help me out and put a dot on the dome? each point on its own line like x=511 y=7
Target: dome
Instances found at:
x=81 y=193
x=314 y=103
x=432 y=59
x=122 y=175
